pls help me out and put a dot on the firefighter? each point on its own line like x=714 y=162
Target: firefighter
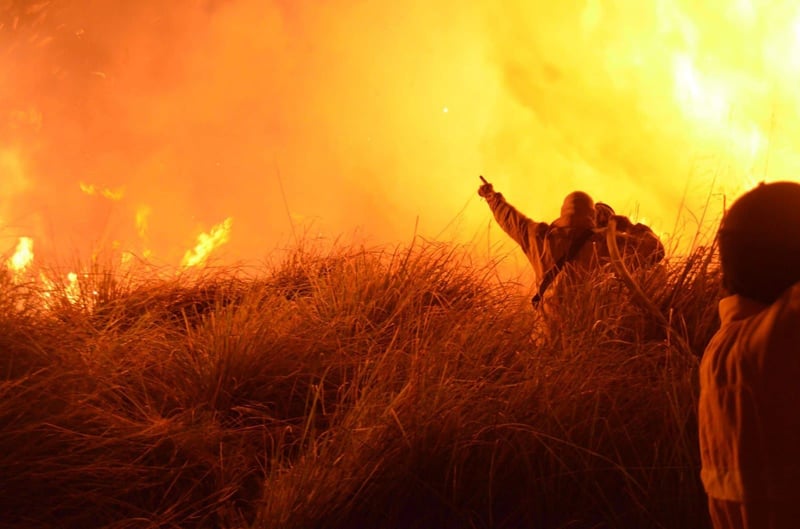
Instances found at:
x=573 y=241
x=749 y=406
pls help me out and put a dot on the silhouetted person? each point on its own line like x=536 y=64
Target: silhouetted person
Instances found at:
x=572 y=241
x=749 y=409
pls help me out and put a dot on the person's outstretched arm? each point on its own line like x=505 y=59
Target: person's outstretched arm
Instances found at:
x=524 y=231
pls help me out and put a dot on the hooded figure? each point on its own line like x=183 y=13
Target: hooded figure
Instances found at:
x=748 y=418
x=572 y=241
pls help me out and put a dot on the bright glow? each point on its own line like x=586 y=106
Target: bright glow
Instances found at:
x=111 y=194
x=14 y=179
x=22 y=258
x=365 y=128
x=49 y=287
x=142 y=216
x=207 y=243
x=72 y=290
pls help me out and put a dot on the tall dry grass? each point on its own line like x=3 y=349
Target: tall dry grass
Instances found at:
x=353 y=388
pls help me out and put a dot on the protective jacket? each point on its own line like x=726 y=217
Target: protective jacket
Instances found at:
x=545 y=244
x=749 y=407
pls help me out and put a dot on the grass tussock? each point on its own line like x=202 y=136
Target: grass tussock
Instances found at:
x=353 y=388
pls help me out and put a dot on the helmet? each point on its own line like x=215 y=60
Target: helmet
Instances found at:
x=577 y=211
x=759 y=242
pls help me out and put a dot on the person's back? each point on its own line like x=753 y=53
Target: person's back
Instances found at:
x=637 y=241
x=749 y=407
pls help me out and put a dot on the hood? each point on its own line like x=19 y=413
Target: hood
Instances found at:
x=577 y=211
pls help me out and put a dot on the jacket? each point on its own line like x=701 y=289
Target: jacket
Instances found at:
x=545 y=243
x=749 y=406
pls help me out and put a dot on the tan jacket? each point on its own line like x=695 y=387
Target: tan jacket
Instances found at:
x=749 y=408
x=544 y=244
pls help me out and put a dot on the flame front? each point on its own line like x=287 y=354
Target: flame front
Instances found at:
x=207 y=243
x=650 y=106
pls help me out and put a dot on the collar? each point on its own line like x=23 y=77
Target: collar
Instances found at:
x=733 y=308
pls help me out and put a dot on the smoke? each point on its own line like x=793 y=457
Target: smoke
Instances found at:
x=294 y=118
x=301 y=118
x=666 y=109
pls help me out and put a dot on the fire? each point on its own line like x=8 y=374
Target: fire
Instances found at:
x=22 y=258
x=700 y=97
x=55 y=290
x=111 y=194
x=72 y=290
x=622 y=99
x=142 y=226
x=207 y=242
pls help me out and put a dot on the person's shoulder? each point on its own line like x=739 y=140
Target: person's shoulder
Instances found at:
x=778 y=325
x=787 y=306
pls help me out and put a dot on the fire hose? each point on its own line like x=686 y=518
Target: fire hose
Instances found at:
x=626 y=277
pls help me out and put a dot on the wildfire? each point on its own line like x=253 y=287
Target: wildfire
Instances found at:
x=142 y=226
x=22 y=258
x=637 y=103
x=207 y=242
x=72 y=290
x=55 y=290
x=731 y=97
x=110 y=194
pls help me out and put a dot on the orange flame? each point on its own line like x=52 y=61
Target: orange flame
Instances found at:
x=111 y=194
x=142 y=226
x=53 y=288
x=207 y=242
x=630 y=101
x=72 y=289
x=22 y=258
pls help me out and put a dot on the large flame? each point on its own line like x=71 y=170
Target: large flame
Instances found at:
x=378 y=116
x=72 y=289
x=207 y=243
x=22 y=258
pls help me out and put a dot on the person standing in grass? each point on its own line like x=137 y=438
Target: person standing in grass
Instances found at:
x=749 y=406
x=573 y=241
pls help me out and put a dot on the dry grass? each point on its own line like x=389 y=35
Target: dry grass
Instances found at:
x=353 y=388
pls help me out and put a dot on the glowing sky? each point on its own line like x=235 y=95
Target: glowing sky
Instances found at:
x=364 y=119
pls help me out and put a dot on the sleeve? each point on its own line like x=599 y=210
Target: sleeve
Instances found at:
x=524 y=231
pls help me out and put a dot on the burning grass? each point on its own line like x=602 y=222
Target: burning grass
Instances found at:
x=352 y=388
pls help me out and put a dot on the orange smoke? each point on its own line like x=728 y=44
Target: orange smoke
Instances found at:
x=366 y=119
